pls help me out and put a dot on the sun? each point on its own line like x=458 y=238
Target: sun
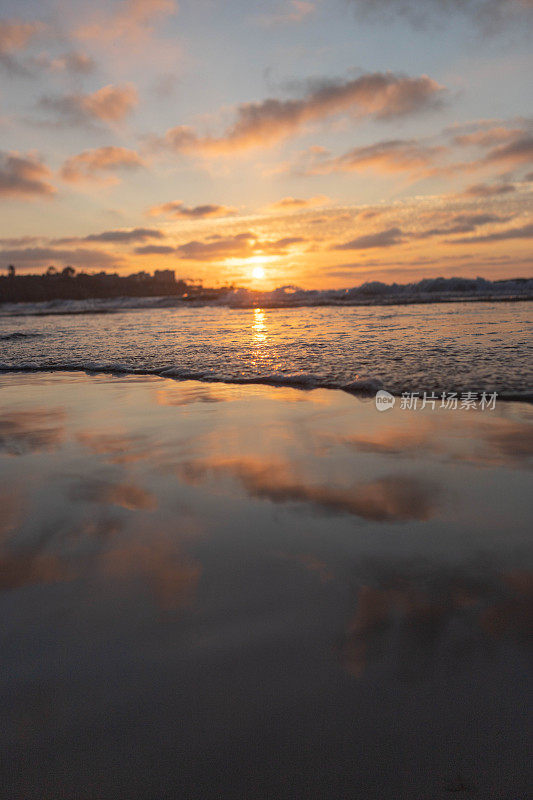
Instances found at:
x=258 y=273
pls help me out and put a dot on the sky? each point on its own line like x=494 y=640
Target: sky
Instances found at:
x=312 y=143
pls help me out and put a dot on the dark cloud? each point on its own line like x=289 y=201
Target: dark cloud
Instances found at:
x=297 y=203
x=134 y=235
x=488 y=190
x=115 y=236
x=385 y=238
x=24 y=176
x=155 y=250
x=109 y=104
x=513 y=154
x=36 y=257
x=525 y=232
x=461 y=223
x=179 y=210
x=490 y=15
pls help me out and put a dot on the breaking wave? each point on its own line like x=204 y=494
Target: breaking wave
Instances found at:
x=362 y=387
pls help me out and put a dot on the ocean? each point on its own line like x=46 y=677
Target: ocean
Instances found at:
x=439 y=347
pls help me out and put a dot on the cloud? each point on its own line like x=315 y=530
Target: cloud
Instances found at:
x=134 y=235
x=178 y=210
x=461 y=223
x=115 y=236
x=487 y=135
x=155 y=250
x=378 y=95
x=24 y=176
x=395 y=155
x=40 y=257
x=97 y=164
x=109 y=104
x=72 y=63
x=491 y=15
x=242 y=245
x=525 y=232
x=488 y=190
x=385 y=238
x=297 y=203
x=130 y=21
x=513 y=154
x=295 y=11
x=15 y=35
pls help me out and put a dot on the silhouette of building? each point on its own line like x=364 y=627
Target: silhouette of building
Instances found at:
x=165 y=276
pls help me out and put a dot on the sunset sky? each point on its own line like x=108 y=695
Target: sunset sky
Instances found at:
x=328 y=142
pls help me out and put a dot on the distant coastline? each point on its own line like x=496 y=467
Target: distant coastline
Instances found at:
x=108 y=292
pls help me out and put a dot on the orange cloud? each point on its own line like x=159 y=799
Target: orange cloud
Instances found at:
x=130 y=20
x=297 y=203
x=15 y=35
x=242 y=245
x=379 y=95
x=396 y=155
x=24 y=176
x=99 y=164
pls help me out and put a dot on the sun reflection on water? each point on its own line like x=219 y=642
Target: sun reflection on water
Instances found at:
x=258 y=326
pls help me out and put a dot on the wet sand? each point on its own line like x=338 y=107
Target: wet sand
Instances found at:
x=215 y=591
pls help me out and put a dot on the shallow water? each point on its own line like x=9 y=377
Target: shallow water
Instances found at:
x=216 y=591
x=456 y=346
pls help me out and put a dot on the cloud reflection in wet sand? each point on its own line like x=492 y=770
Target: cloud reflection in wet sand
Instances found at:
x=171 y=577
x=473 y=441
x=188 y=395
x=417 y=621
x=392 y=497
x=109 y=492
x=120 y=448
x=31 y=431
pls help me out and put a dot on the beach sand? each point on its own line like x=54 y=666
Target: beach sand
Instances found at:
x=216 y=591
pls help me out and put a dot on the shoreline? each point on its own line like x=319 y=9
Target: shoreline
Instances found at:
x=364 y=389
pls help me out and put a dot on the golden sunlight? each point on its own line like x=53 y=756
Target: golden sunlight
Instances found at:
x=258 y=273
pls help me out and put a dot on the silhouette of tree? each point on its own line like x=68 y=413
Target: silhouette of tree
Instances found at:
x=11 y=271
x=68 y=272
